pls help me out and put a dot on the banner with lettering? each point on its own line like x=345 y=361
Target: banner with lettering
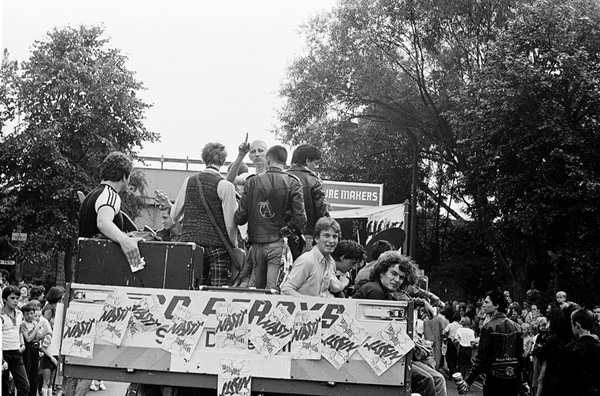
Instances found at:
x=79 y=333
x=114 y=320
x=232 y=325
x=385 y=348
x=183 y=332
x=342 y=339
x=306 y=341
x=273 y=332
x=235 y=377
x=146 y=315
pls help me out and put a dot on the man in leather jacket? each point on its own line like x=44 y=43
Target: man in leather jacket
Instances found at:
x=304 y=162
x=270 y=202
x=499 y=353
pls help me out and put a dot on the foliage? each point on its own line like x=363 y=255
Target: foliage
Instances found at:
x=78 y=102
x=501 y=95
x=532 y=116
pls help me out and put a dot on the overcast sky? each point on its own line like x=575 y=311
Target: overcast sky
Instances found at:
x=212 y=69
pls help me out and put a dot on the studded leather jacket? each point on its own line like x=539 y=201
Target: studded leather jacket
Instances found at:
x=271 y=201
x=500 y=350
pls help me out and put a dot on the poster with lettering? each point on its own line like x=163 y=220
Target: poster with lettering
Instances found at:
x=146 y=315
x=306 y=341
x=114 y=320
x=235 y=377
x=342 y=339
x=183 y=332
x=385 y=348
x=273 y=332
x=79 y=333
x=232 y=325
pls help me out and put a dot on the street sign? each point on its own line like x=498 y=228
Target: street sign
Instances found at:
x=19 y=236
x=7 y=262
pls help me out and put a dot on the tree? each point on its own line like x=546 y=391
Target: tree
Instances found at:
x=397 y=63
x=78 y=103
x=533 y=116
x=454 y=80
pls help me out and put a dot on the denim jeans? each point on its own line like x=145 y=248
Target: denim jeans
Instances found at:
x=266 y=261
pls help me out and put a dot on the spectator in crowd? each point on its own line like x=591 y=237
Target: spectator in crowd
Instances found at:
x=49 y=359
x=12 y=341
x=270 y=202
x=33 y=329
x=465 y=337
x=596 y=328
x=24 y=299
x=514 y=313
x=37 y=293
x=580 y=372
x=304 y=163
x=507 y=296
x=451 y=342
x=313 y=272
x=433 y=329
x=533 y=314
x=219 y=194
x=551 y=354
x=561 y=299
x=499 y=353
x=100 y=211
x=527 y=349
x=539 y=341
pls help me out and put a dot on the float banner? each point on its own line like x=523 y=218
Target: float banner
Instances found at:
x=348 y=194
x=378 y=218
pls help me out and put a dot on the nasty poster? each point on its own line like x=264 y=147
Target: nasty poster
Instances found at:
x=235 y=377
x=232 y=325
x=146 y=315
x=183 y=333
x=273 y=332
x=385 y=348
x=114 y=319
x=306 y=340
x=79 y=333
x=342 y=339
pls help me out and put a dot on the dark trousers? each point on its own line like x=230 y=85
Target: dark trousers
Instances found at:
x=464 y=360
x=498 y=387
x=452 y=356
x=14 y=360
x=31 y=360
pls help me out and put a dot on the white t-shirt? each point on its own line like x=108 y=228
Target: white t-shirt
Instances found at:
x=465 y=335
x=11 y=340
x=451 y=330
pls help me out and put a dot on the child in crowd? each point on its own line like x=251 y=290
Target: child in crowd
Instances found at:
x=466 y=338
x=33 y=330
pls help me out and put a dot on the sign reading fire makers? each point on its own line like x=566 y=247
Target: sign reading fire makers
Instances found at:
x=353 y=194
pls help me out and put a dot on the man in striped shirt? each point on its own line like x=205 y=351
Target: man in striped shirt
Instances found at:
x=100 y=211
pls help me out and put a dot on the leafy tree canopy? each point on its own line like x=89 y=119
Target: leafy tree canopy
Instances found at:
x=77 y=102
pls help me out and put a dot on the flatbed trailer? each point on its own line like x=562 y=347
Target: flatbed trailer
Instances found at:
x=142 y=358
